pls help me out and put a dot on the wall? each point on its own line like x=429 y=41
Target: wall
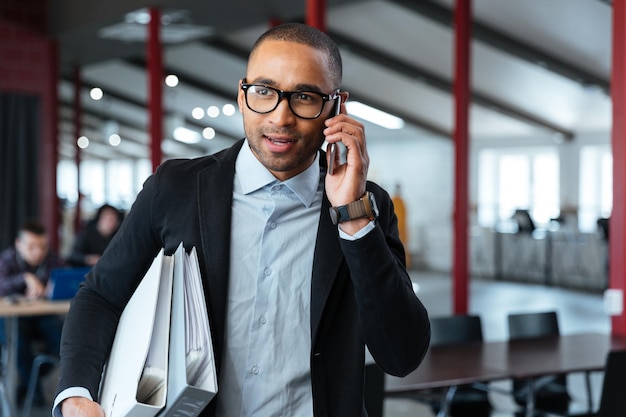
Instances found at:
x=28 y=64
x=424 y=169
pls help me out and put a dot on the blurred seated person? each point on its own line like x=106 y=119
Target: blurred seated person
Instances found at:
x=24 y=271
x=603 y=227
x=91 y=242
x=525 y=223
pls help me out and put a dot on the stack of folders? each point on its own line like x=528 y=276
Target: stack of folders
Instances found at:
x=152 y=371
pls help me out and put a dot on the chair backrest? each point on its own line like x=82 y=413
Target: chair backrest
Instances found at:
x=452 y=330
x=613 y=398
x=529 y=325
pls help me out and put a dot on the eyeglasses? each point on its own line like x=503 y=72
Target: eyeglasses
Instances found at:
x=304 y=104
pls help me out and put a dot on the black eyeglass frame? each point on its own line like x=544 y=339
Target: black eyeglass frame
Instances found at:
x=287 y=94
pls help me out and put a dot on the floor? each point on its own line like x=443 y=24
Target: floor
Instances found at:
x=578 y=312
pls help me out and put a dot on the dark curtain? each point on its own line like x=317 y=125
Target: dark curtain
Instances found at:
x=19 y=162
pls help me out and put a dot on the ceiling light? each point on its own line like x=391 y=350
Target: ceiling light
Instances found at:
x=197 y=113
x=82 y=142
x=208 y=133
x=171 y=80
x=185 y=135
x=228 y=109
x=213 y=111
x=115 y=139
x=96 y=93
x=176 y=27
x=373 y=115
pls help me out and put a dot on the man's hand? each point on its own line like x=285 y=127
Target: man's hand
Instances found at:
x=347 y=184
x=81 y=407
x=34 y=288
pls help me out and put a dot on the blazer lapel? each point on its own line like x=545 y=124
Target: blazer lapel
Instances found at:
x=326 y=262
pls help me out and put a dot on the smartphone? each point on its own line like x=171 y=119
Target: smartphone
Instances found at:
x=333 y=148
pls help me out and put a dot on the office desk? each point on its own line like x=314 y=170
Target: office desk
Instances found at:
x=12 y=311
x=491 y=361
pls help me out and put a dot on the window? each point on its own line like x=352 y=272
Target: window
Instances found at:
x=596 y=186
x=115 y=182
x=518 y=179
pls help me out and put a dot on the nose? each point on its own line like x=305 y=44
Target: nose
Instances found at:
x=282 y=114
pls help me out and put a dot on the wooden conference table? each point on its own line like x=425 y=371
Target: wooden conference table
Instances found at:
x=450 y=366
x=12 y=310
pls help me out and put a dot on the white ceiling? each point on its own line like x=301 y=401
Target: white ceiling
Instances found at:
x=537 y=67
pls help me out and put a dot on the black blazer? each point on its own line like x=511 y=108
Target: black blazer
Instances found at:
x=360 y=291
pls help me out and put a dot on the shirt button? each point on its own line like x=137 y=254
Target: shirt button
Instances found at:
x=267 y=272
x=255 y=370
x=262 y=320
x=273 y=225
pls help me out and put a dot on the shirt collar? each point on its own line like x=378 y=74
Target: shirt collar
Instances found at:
x=253 y=176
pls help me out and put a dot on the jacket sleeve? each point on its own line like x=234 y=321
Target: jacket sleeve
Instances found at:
x=91 y=323
x=393 y=320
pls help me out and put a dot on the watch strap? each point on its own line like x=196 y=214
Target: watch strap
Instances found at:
x=361 y=208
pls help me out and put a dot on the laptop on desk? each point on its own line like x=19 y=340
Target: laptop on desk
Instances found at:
x=64 y=282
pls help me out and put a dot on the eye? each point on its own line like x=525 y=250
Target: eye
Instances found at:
x=306 y=98
x=261 y=90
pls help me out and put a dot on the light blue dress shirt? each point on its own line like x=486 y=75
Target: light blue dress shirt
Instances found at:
x=266 y=362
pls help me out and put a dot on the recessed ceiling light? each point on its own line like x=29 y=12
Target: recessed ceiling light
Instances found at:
x=373 y=115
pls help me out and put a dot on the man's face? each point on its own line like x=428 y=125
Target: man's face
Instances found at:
x=32 y=248
x=284 y=143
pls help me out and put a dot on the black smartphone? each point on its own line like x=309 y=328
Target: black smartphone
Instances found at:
x=333 y=148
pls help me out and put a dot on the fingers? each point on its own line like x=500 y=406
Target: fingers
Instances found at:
x=347 y=183
x=351 y=133
x=343 y=128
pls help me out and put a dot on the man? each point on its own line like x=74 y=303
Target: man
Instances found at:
x=293 y=299
x=24 y=271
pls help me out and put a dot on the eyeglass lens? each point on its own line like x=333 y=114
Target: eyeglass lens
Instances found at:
x=303 y=104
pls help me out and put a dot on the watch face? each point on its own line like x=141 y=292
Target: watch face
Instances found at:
x=373 y=204
x=333 y=215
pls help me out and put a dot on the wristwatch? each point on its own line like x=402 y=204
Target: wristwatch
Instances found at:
x=365 y=207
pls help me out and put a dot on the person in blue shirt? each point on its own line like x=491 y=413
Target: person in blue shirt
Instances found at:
x=302 y=269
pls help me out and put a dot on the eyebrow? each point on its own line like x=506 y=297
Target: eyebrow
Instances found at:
x=298 y=87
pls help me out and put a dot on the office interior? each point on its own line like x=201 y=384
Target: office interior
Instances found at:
x=542 y=126
x=539 y=117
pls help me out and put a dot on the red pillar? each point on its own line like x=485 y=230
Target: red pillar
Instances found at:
x=49 y=155
x=155 y=87
x=78 y=113
x=617 y=243
x=316 y=14
x=463 y=21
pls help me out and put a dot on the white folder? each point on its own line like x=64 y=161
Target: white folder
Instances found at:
x=138 y=361
x=192 y=379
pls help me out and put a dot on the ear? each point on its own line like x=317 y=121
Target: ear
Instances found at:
x=241 y=99
x=344 y=96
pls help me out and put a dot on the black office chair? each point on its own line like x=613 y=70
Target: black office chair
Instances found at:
x=550 y=392
x=613 y=397
x=41 y=360
x=467 y=400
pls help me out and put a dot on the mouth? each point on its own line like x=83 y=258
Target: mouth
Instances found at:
x=280 y=141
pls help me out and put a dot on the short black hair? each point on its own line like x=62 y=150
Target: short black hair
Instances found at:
x=306 y=35
x=34 y=227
